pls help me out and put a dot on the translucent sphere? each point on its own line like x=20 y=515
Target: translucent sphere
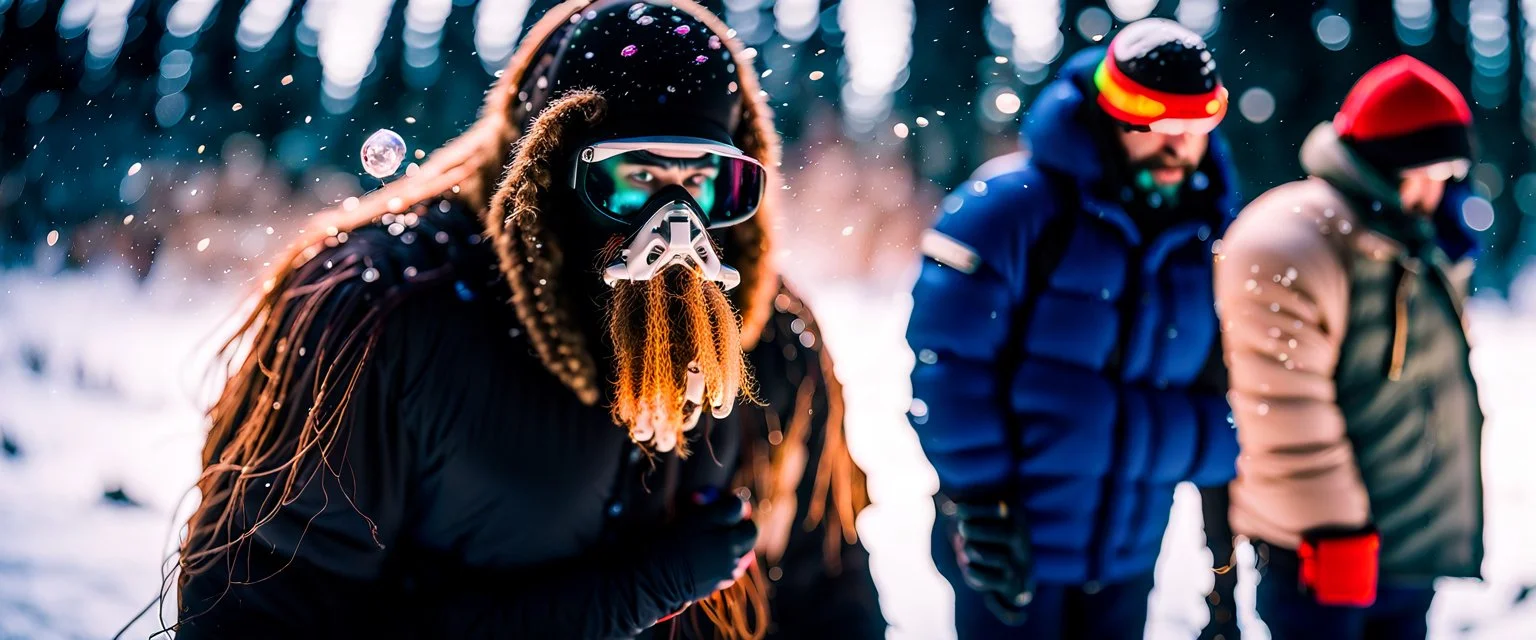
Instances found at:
x=382 y=153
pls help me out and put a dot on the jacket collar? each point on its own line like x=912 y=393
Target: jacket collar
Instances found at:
x=1324 y=155
x=1060 y=140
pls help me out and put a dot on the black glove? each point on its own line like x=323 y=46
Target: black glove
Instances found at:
x=995 y=557
x=701 y=551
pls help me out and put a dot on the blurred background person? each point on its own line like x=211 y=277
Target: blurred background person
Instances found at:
x=1360 y=479
x=1068 y=355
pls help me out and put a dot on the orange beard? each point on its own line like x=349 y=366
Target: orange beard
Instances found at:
x=677 y=348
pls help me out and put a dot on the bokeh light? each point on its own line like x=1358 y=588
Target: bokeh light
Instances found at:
x=1477 y=213
x=1333 y=30
x=1257 y=105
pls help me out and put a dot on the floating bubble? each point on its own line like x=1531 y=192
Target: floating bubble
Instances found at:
x=628 y=50
x=700 y=59
x=681 y=30
x=382 y=153
x=636 y=10
x=645 y=21
x=714 y=42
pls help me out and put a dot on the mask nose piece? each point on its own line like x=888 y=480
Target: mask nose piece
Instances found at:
x=673 y=235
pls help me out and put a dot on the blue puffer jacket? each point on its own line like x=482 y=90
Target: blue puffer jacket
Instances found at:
x=1090 y=410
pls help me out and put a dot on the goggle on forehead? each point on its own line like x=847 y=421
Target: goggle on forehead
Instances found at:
x=617 y=178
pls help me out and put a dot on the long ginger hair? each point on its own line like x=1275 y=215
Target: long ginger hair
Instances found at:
x=279 y=414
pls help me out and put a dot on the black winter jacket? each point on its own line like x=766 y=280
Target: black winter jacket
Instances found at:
x=475 y=496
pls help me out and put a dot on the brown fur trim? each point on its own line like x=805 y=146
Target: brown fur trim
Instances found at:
x=529 y=250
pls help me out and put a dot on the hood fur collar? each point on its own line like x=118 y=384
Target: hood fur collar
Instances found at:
x=530 y=253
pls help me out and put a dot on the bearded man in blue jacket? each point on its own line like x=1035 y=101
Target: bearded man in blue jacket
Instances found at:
x=1069 y=372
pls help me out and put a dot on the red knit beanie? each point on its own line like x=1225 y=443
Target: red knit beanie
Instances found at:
x=1403 y=114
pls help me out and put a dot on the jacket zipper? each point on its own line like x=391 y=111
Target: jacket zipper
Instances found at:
x=1405 y=290
x=1129 y=302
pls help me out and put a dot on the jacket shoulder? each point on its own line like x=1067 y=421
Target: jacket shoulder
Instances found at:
x=996 y=217
x=1294 y=217
x=1298 y=231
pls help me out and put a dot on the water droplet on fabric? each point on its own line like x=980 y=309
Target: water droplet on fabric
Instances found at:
x=382 y=153
x=370 y=274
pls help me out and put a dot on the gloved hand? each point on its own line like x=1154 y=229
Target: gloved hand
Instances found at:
x=1339 y=566
x=992 y=544
x=706 y=550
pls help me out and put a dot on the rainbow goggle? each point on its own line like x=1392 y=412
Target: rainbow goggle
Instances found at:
x=616 y=179
x=1143 y=109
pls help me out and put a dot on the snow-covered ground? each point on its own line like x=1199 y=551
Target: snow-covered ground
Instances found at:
x=101 y=384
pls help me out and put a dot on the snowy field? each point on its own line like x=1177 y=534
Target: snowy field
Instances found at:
x=101 y=384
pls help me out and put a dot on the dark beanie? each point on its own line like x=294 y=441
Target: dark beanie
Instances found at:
x=662 y=71
x=1156 y=69
x=1403 y=114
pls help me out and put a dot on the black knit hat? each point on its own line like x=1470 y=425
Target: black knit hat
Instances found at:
x=662 y=72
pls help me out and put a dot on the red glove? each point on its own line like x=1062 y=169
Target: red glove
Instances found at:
x=1339 y=567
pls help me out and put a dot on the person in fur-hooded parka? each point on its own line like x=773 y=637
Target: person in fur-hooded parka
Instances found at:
x=440 y=421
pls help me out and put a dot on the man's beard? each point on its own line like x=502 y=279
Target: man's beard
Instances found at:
x=664 y=331
x=1164 y=161
x=1141 y=173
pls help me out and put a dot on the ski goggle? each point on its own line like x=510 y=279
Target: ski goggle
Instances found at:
x=616 y=178
x=1139 y=108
